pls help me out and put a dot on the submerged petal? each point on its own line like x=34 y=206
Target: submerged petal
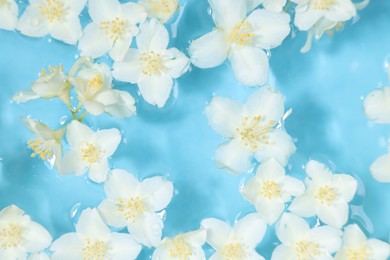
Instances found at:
x=227 y=13
x=156 y=89
x=380 y=169
x=153 y=36
x=147 y=229
x=218 y=232
x=234 y=157
x=377 y=106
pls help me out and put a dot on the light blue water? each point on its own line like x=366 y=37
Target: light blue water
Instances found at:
x=324 y=88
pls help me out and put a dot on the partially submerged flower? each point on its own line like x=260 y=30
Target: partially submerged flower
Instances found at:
x=94 y=240
x=241 y=39
x=89 y=151
x=135 y=204
x=301 y=242
x=327 y=195
x=270 y=189
x=152 y=66
x=237 y=242
x=187 y=246
x=380 y=168
x=356 y=246
x=272 y=5
x=59 y=18
x=112 y=29
x=8 y=14
x=252 y=129
x=162 y=10
x=19 y=236
x=377 y=106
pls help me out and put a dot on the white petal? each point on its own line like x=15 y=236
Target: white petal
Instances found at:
x=103 y=10
x=274 y=5
x=32 y=23
x=9 y=15
x=78 y=133
x=250 y=65
x=37 y=238
x=91 y=225
x=380 y=250
x=160 y=191
x=234 y=157
x=72 y=163
x=24 y=96
x=176 y=63
x=224 y=115
x=292 y=186
x=94 y=42
x=69 y=31
x=153 y=36
x=329 y=238
x=270 y=210
x=39 y=256
x=282 y=252
x=196 y=238
x=12 y=213
x=117 y=103
x=304 y=206
x=156 y=89
x=108 y=140
x=380 y=169
x=253 y=255
x=92 y=107
x=13 y=253
x=346 y=186
x=318 y=171
x=210 y=50
x=76 y=5
x=341 y=11
x=377 y=106
x=147 y=229
x=353 y=236
x=123 y=246
x=134 y=13
x=110 y=214
x=68 y=246
x=118 y=51
x=226 y=14
x=120 y=184
x=250 y=190
x=291 y=229
x=252 y=4
x=98 y=171
x=305 y=20
x=270 y=169
x=218 y=232
x=129 y=69
x=250 y=229
x=335 y=215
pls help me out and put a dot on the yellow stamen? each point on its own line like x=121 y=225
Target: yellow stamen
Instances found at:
x=151 y=63
x=253 y=132
x=94 y=250
x=361 y=253
x=233 y=251
x=96 y=83
x=131 y=208
x=326 y=195
x=42 y=148
x=180 y=249
x=163 y=6
x=90 y=153
x=270 y=189
x=241 y=34
x=11 y=236
x=114 y=29
x=323 y=4
x=54 y=10
x=307 y=250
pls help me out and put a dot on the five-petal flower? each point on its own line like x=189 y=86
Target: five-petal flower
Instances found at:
x=327 y=195
x=8 y=14
x=162 y=10
x=135 y=204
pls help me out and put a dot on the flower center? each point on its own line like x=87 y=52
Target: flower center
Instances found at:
x=253 y=132
x=114 y=29
x=361 y=253
x=94 y=250
x=131 y=208
x=42 y=148
x=233 y=251
x=323 y=4
x=151 y=63
x=270 y=189
x=306 y=250
x=163 y=6
x=241 y=34
x=90 y=153
x=11 y=236
x=95 y=83
x=326 y=195
x=54 y=10
x=3 y=2
x=180 y=249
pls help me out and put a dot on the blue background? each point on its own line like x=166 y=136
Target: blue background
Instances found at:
x=324 y=88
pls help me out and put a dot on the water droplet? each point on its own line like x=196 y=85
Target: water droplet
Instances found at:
x=268 y=53
x=74 y=210
x=162 y=215
x=209 y=11
x=63 y=120
x=49 y=163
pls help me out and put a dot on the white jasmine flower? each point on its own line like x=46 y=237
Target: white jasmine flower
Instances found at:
x=93 y=84
x=162 y=10
x=301 y=242
x=152 y=66
x=270 y=189
x=19 y=236
x=94 y=240
x=89 y=151
x=241 y=39
x=8 y=14
x=48 y=85
x=48 y=142
x=357 y=246
x=251 y=128
x=112 y=29
x=377 y=106
x=59 y=18
x=272 y=5
x=380 y=168
x=327 y=195
x=186 y=246
x=134 y=204
x=237 y=242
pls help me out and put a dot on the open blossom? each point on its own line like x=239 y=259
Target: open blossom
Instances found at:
x=270 y=189
x=251 y=128
x=327 y=195
x=8 y=14
x=89 y=151
x=152 y=66
x=19 y=236
x=356 y=246
x=112 y=29
x=48 y=143
x=59 y=18
x=94 y=240
x=300 y=242
x=380 y=168
x=272 y=5
x=93 y=84
x=237 y=242
x=162 y=10
x=135 y=204
x=186 y=246
x=241 y=39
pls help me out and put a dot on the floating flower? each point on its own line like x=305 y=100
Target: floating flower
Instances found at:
x=89 y=151
x=8 y=14
x=327 y=195
x=48 y=142
x=134 y=204
x=152 y=66
x=59 y=18
x=48 y=85
x=240 y=39
x=187 y=246
x=162 y=10
x=380 y=168
x=252 y=128
x=301 y=242
x=272 y=5
x=93 y=84
x=270 y=189
x=19 y=236
x=112 y=29
x=238 y=242
x=93 y=240
x=377 y=106
x=356 y=246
